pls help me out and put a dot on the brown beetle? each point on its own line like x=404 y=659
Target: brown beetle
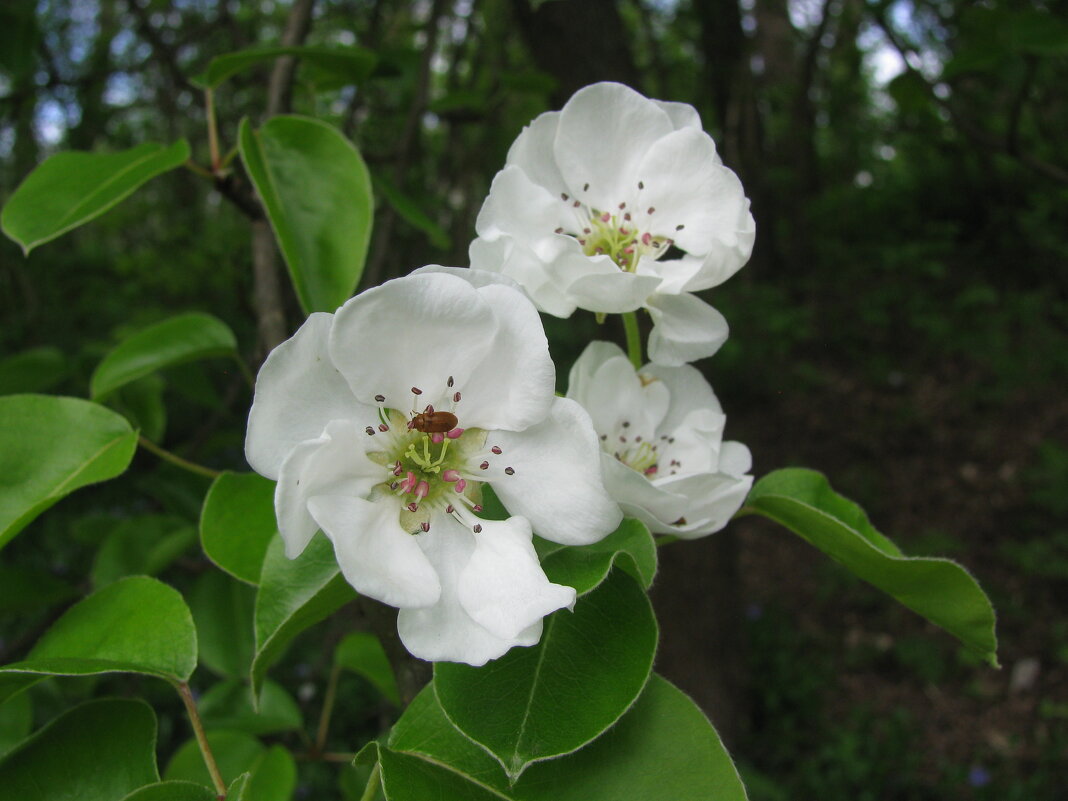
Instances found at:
x=433 y=422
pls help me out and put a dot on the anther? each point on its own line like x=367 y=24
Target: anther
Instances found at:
x=380 y=398
x=585 y=187
x=641 y=185
x=651 y=210
x=564 y=196
x=451 y=475
x=370 y=431
x=679 y=227
x=417 y=391
x=455 y=433
x=627 y=216
x=412 y=507
x=509 y=471
x=484 y=466
x=476 y=508
x=606 y=217
x=558 y=231
x=626 y=424
x=646 y=239
x=496 y=449
x=456 y=397
x=585 y=230
x=425 y=525
x=576 y=204
x=449 y=509
x=477 y=529
x=449 y=382
x=383 y=427
x=393 y=485
x=429 y=409
x=622 y=206
x=461 y=485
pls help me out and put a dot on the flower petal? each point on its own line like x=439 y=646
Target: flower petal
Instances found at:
x=557 y=483
x=518 y=207
x=378 y=558
x=735 y=459
x=603 y=287
x=714 y=498
x=682 y=115
x=445 y=631
x=532 y=152
x=517 y=261
x=332 y=463
x=413 y=331
x=654 y=505
x=685 y=329
x=604 y=131
x=688 y=389
x=512 y=386
x=698 y=201
x=298 y=391
x=503 y=587
x=725 y=258
x=580 y=381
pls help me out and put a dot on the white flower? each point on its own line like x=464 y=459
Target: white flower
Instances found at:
x=661 y=431
x=382 y=422
x=614 y=203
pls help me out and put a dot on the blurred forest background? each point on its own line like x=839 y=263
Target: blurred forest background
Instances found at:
x=902 y=326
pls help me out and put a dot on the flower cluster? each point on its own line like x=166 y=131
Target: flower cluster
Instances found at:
x=384 y=422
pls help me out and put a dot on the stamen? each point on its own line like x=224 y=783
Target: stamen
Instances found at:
x=456 y=397
x=370 y=431
x=461 y=485
x=437 y=438
x=558 y=231
x=622 y=206
x=383 y=427
x=585 y=187
x=476 y=508
x=412 y=507
x=456 y=433
x=651 y=210
x=449 y=382
x=497 y=450
x=576 y=204
x=484 y=466
x=509 y=471
x=425 y=525
x=451 y=476
x=422 y=489
x=417 y=391
x=380 y=398
x=450 y=509
x=641 y=185
x=564 y=196
x=478 y=528
x=679 y=227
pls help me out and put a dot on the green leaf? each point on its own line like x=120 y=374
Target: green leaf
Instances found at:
x=362 y=653
x=317 y=194
x=351 y=64
x=294 y=595
x=410 y=212
x=143 y=545
x=16 y=720
x=70 y=189
x=24 y=589
x=592 y=662
x=235 y=753
x=228 y=705
x=239 y=788
x=178 y=339
x=51 y=446
x=33 y=370
x=99 y=751
x=938 y=589
x=172 y=791
x=663 y=749
x=631 y=546
x=238 y=523
x=222 y=609
x=141 y=402
x=136 y=625
x=274 y=776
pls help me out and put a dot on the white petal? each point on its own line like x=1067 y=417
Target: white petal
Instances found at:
x=415 y=331
x=532 y=152
x=513 y=385
x=298 y=391
x=603 y=287
x=655 y=506
x=735 y=459
x=580 y=379
x=688 y=391
x=617 y=396
x=714 y=497
x=725 y=258
x=557 y=484
x=332 y=463
x=682 y=115
x=698 y=201
x=519 y=208
x=476 y=277
x=445 y=631
x=685 y=329
x=604 y=131
x=378 y=558
x=503 y=587
x=519 y=263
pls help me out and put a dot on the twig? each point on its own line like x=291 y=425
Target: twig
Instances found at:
x=175 y=459
x=202 y=738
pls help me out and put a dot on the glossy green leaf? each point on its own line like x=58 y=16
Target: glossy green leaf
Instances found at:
x=141 y=402
x=409 y=211
x=235 y=753
x=222 y=609
x=317 y=194
x=362 y=653
x=70 y=189
x=33 y=370
x=228 y=705
x=237 y=523
x=352 y=64
x=274 y=776
x=172 y=791
x=293 y=595
x=938 y=589
x=630 y=546
x=99 y=751
x=592 y=662
x=178 y=339
x=663 y=749
x=143 y=545
x=16 y=720
x=239 y=788
x=136 y=625
x=51 y=446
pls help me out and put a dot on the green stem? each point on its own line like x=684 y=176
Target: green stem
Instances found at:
x=202 y=739
x=328 y=708
x=634 y=338
x=213 y=131
x=175 y=459
x=372 y=783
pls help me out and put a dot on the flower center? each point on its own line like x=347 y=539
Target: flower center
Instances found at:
x=633 y=451
x=618 y=235
x=432 y=465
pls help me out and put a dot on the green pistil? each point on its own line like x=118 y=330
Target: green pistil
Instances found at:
x=643 y=458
